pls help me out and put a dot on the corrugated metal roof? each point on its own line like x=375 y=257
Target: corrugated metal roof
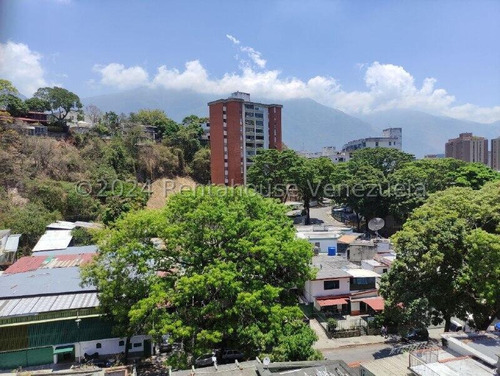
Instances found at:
x=42 y=282
x=40 y=304
x=61 y=225
x=69 y=251
x=88 y=224
x=30 y=263
x=53 y=239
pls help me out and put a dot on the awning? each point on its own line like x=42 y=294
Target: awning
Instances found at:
x=331 y=302
x=377 y=304
x=64 y=350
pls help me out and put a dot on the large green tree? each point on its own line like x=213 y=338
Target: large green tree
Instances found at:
x=386 y=160
x=59 y=101
x=448 y=254
x=217 y=267
x=157 y=118
x=37 y=104
x=200 y=166
x=411 y=184
x=15 y=105
x=6 y=90
x=270 y=172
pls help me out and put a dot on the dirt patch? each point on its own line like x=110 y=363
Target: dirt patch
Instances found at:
x=162 y=189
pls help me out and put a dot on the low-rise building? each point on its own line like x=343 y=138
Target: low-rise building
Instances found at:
x=330 y=152
x=380 y=263
x=323 y=238
x=360 y=249
x=257 y=368
x=342 y=287
x=391 y=138
x=46 y=316
x=483 y=346
x=415 y=360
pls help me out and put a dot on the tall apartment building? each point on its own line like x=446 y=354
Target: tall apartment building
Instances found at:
x=495 y=154
x=391 y=138
x=468 y=148
x=238 y=129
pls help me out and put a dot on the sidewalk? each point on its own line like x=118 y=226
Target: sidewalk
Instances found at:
x=325 y=343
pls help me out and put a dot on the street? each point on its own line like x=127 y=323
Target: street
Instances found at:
x=359 y=354
x=320 y=215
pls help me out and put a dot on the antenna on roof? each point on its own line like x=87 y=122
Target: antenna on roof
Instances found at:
x=376 y=224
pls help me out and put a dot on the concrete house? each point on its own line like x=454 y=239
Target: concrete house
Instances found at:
x=342 y=287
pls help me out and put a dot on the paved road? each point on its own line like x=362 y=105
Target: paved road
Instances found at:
x=321 y=215
x=359 y=354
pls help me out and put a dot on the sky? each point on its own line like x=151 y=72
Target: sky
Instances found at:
x=359 y=56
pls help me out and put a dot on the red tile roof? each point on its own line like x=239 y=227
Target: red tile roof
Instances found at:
x=377 y=303
x=331 y=302
x=30 y=263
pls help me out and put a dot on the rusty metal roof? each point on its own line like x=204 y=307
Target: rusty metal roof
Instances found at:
x=30 y=263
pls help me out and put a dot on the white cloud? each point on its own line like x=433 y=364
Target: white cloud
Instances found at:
x=123 y=78
x=22 y=67
x=232 y=39
x=388 y=86
x=255 y=56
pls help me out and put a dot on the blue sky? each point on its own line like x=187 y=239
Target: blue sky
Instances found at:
x=359 y=56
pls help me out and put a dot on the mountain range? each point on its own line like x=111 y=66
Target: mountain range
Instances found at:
x=307 y=124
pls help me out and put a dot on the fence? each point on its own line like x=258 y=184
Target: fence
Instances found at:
x=348 y=327
x=420 y=357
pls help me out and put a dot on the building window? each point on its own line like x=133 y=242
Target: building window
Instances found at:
x=137 y=344
x=98 y=345
x=384 y=270
x=121 y=343
x=331 y=285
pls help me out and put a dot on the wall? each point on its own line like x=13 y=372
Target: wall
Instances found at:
x=361 y=252
x=110 y=346
x=324 y=243
x=26 y=358
x=313 y=289
x=216 y=144
x=377 y=269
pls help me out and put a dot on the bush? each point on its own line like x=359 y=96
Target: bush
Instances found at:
x=178 y=360
x=82 y=236
x=332 y=324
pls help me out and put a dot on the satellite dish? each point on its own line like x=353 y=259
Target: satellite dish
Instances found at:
x=376 y=224
x=266 y=361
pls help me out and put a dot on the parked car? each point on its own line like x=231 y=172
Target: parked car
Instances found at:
x=229 y=356
x=165 y=345
x=204 y=360
x=455 y=326
x=416 y=335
